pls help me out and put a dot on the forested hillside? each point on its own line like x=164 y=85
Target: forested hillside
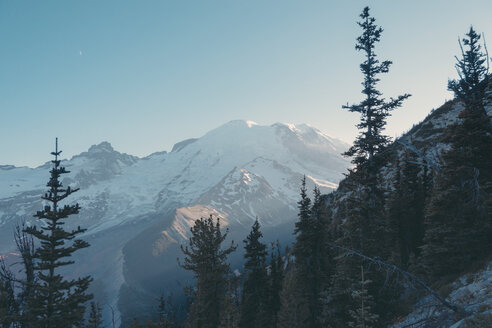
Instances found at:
x=408 y=220
x=432 y=219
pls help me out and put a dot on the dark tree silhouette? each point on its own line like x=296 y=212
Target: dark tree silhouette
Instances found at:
x=55 y=301
x=458 y=219
x=374 y=109
x=255 y=286
x=95 y=316
x=15 y=291
x=205 y=257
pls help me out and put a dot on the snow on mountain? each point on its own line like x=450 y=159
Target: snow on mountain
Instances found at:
x=247 y=195
x=239 y=170
x=178 y=231
x=15 y=180
x=101 y=162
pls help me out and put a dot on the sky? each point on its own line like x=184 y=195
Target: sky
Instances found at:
x=144 y=75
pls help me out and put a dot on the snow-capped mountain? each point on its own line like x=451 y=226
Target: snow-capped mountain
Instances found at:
x=138 y=210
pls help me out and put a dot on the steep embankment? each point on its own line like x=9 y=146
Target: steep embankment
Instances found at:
x=416 y=158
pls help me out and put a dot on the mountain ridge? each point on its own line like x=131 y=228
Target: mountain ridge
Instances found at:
x=125 y=198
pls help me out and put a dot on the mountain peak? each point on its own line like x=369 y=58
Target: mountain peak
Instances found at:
x=104 y=151
x=101 y=147
x=251 y=123
x=241 y=123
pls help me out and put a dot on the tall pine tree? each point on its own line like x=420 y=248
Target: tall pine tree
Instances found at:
x=55 y=301
x=312 y=270
x=355 y=232
x=458 y=219
x=362 y=316
x=275 y=279
x=405 y=217
x=373 y=109
x=364 y=224
x=255 y=286
x=95 y=316
x=205 y=257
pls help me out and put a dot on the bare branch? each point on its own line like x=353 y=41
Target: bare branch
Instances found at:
x=394 y=269
x=486 y=53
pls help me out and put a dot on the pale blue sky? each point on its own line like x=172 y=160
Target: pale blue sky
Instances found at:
x=146 y=74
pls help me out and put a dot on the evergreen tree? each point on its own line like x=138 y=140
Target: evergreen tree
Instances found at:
x=293 y=311
x=316 y=270
x=14 y=291
x=255 y=285
x=163 y=311
x=312 y=270
x=95 y=316
x=472 y=69
x=167 y=314
x=355 y=233
x=8 y=304
x=275 y=278
x=205 y=257
x=230 y=315
x=54 y=301
x=362 y=225
x=304 y=206
x=405 y=229
x=373 y=109
x=25 y=246
x=303 y=267
x=458 y=219
x=362 y=316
